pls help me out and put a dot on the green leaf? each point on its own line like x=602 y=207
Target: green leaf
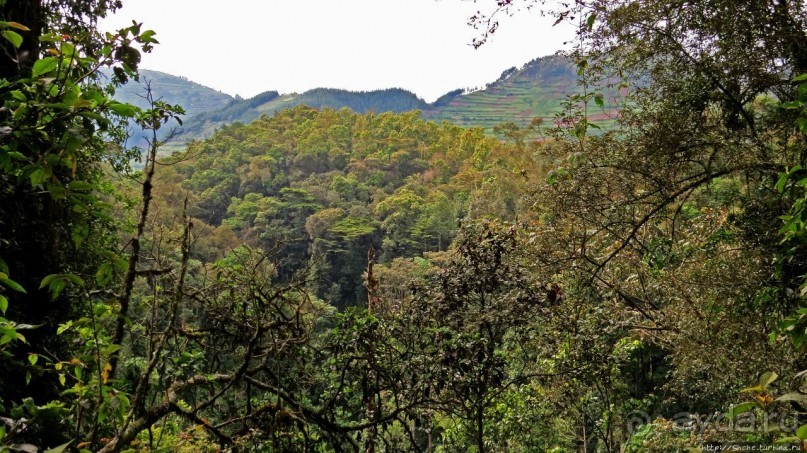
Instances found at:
x=79 y=234
x=46 y=281
x=125 y=110
x=59 y=449
x=802 y=123
x=111 y=349
x=3 y=304
x=148 y=36
x=104 y=274
x=800 y=78
x=56 y=191
x=590 y=20
x=788 y=440
x=793 y=397
x=781 y=183
x=599 y=101
x=13 y=37
x=62 y=379
x=74 y=279
x=82 y=186
x=802 y=432
x=12 y=285
x=56 y=287
x=38 y=176
x=44 y=66
x=63 y=327
x=741 y=408
x=33 y=358
x=767 y=379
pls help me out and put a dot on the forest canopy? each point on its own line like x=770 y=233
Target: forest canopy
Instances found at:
x=327 y=280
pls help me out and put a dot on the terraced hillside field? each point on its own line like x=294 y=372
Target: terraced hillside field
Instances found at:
x=537 y=90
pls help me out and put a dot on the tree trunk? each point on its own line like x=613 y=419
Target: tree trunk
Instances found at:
x=17 y=62
x=480 y=429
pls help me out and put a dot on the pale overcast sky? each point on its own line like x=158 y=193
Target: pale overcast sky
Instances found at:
x=246 y=47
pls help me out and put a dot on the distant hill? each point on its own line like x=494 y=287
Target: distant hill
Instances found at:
x=193 y=97
x=519 y=95
x=394 y=100
x=535 y=90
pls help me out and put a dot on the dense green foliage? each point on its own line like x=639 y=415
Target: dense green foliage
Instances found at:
x=320 y=187
x=666 y=231
x=326 y=280
x=248 y=110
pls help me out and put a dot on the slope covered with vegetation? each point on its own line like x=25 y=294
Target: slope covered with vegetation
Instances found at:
x=194 y=98
x=321 y=187
x=247 y=110
x=537 y=90
x=325 y=280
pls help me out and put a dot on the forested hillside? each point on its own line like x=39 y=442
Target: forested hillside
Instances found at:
x=321 y=187
x=270 y=102
x=327 y=280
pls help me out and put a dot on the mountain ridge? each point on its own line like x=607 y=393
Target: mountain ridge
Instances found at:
x=535 y=90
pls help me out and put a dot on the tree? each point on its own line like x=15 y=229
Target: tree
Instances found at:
x=669 y=216
x=56 y=123
x=472 y=321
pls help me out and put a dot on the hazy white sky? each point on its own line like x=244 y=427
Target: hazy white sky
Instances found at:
x=247 y=47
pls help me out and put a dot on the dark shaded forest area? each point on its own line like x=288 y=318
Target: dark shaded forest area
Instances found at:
x=331 y=280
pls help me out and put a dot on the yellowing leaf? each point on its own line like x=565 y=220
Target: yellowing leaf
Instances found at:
x=16 y=25
x=765 y=399
x=105 y=372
